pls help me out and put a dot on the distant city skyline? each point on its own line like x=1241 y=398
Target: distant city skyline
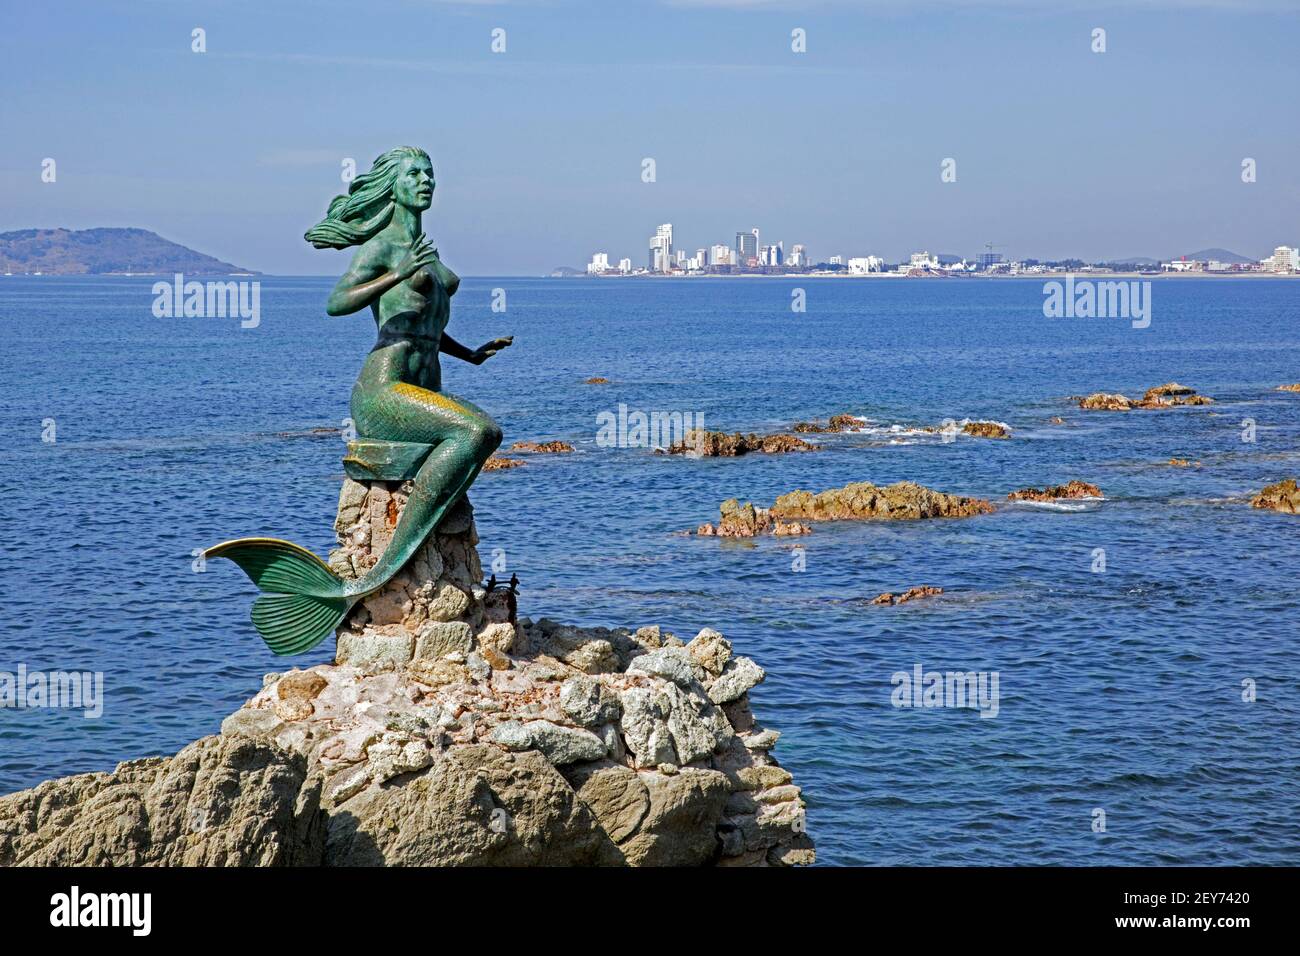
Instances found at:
x=942 y=127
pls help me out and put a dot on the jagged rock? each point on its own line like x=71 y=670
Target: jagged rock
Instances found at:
x=865 y=501
x=1168 y=395
x=707 y=444
x=1283 y=496
x=1072 y=489
x=710 y=650
x=746 y=521
x=671 y=663
x=498 y=463
x=737 y=678
x=1104 y=401
x=586 y=701
x=560 y=745
x=986 y=429
x=1295 y=387
x=222 y=801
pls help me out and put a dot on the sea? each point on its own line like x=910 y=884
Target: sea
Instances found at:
x=1146 y=646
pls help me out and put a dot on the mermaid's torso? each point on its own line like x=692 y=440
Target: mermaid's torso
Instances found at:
x=410 y=317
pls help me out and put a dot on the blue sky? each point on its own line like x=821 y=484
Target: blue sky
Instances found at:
x=1060 y=151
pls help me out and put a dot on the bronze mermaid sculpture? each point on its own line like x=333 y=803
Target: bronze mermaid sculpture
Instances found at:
x=407 y=427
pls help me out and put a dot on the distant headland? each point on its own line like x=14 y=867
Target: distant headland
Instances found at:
x=103 y=252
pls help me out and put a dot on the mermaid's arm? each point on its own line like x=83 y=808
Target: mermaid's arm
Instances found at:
x=368 y=278
x=476 y=356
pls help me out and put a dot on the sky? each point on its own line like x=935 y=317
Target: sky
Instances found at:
x=539 y=150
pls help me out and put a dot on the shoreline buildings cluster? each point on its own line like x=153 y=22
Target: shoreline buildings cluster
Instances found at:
x=750 y=256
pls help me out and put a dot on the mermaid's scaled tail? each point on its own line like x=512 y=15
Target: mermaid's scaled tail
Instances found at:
x=303 y=601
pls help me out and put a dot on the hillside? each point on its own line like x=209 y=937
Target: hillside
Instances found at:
x=103 y=252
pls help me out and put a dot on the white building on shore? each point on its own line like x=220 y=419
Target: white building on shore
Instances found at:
x=864 y=265
x=1284 y=259
x=599 y=263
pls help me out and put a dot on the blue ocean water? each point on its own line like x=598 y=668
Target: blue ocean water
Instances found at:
x=1119 y=690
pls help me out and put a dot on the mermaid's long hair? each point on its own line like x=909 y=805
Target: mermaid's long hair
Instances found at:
x=368 y=206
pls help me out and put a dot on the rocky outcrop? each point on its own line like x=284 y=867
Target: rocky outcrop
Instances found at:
x=911 y=594
x=498 y=463
x=450 y=732
x=745 y=521
x=862 y=501
x=1169 y=395
x=1283 y=496
x=1105 y=402
x=596 y=380
x=986 y=430
x=542 y=448
x=1072 y=489
x=707 y=444
x=1183 y=463
x=837 y=423
x=1295 y=387
x=222 y=801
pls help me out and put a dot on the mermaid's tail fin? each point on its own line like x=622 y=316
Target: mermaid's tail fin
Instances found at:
x=304 y=600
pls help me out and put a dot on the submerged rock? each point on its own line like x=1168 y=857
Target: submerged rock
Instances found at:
x=911 y=594
x=451 y=735
x=1072 y=489
x=596 y=380
x=1183 y=463
x=1283 y=496
x=497 y=463
x=707 y=444
x=837 y=423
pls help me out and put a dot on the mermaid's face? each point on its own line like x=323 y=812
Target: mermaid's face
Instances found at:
x=414 y=186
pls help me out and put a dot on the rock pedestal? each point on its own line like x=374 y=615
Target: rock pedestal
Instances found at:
x=448 y=732
x=435 y=606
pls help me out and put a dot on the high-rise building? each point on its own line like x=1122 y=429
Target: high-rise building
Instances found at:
x=661 y=249
x=599 y=263
x=772 y=255
x=746 y=246
x=625 y=266
x=720 y=255
x=798 y=257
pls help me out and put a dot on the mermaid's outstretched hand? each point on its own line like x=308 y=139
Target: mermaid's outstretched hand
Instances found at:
x=486 y=351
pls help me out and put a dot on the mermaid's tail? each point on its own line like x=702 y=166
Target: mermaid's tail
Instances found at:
x=303 y=600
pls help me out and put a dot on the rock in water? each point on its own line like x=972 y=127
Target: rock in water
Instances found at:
x=1283 y=496
x=449 y=732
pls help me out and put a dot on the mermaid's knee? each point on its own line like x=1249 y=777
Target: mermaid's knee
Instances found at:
x=484 y=436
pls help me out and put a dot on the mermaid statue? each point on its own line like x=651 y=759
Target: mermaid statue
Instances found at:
x=406 y=426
